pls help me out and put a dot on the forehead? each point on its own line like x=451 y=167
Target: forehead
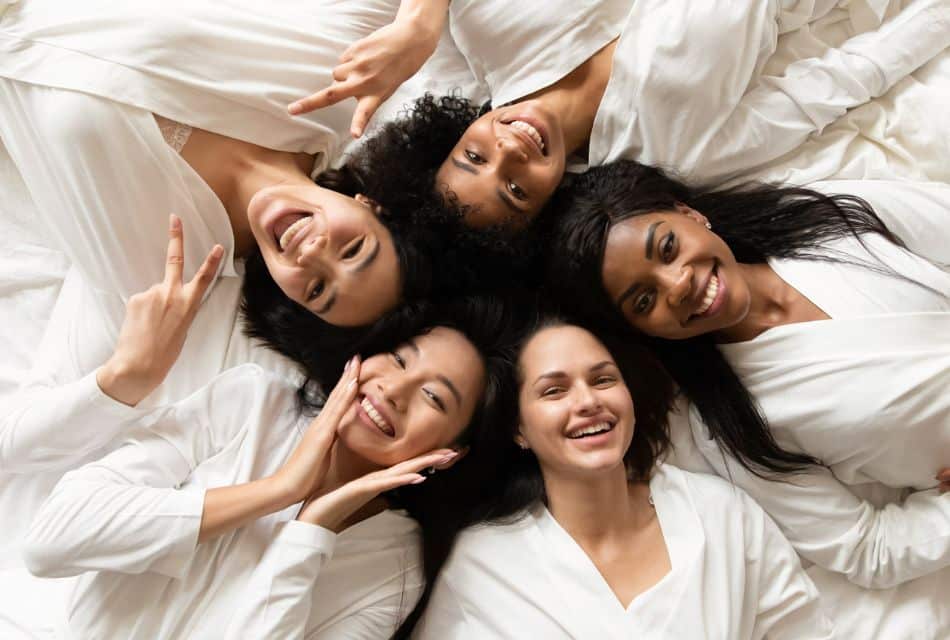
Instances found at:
x=565 y=348
x=452 y=354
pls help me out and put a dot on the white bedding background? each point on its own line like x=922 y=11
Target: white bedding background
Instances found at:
x=904 y=134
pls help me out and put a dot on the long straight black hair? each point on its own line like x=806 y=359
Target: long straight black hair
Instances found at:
x=757 y=222
x=497 y=481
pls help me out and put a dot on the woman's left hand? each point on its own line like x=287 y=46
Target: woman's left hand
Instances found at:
x=371 y=69
x=332 y=509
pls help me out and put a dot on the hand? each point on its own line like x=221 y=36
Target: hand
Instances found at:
x=332 y=509
x=306 y=468
x=156 y=324
x=371 y=69
x=944 y=478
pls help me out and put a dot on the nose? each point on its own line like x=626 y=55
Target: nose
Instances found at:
x=394 y=391
x=510 y=149
x=680 y=284
x=587 y=401
x=310 y=249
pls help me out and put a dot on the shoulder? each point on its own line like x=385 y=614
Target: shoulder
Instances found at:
x=710 y=495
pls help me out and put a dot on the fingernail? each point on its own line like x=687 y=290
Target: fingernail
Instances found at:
x=218 y=251
x=419 y=480
x=175 y=221
x=347 y=366
x=294 y=109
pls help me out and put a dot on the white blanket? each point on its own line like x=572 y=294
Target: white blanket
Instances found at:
x=904 y=134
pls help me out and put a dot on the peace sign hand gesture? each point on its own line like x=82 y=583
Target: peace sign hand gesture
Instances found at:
x=156 y=324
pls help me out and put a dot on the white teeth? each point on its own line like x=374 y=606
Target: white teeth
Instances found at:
x=521 y=125
x=594 y=428
x=711 y=290
x=292 y=230
x=375 y=415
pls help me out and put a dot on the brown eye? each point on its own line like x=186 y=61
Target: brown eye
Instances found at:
x=517 y=191
x=473 y=157
x=353 y=250
x=434 y=397
x=316 y=291
x=644 y=302
x=667 y=246
x=399 y=360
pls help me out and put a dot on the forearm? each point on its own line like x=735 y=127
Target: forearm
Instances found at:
x=48 y=427
x=229 y=508
x=428 y=16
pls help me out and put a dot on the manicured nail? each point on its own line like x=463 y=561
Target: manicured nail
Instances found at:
x=419 y=480
x=174 y=221
x=347 y=366
x=218 y=251
x=294 y=108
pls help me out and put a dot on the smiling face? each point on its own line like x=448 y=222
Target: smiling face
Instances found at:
x=327 y=251
x=673 y=278
x=576 y=411
x=418 y=398
x=506 y=165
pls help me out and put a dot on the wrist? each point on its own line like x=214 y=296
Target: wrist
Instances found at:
x=426 y=22
x=122 y=383
x=285 y=491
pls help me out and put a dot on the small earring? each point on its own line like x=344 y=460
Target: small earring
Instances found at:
x=523 y=445
x=708 y=225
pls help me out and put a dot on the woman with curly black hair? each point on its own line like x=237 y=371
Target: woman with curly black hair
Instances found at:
x=808 y=339
x=677 y=84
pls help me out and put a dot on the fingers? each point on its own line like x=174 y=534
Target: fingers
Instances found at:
x=440 y=459
x=175 y=254
x=205 y=276
x=343 y=394
x=365 y=108
x=331 y=95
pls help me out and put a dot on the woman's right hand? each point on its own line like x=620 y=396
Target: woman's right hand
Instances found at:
x=306 y=468
x=156 y=324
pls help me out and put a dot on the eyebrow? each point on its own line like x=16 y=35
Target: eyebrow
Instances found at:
x=650 y=233
x=464 y=167
x=560 y=374
x=632 y=289
x=511 y=205
x=444 y=380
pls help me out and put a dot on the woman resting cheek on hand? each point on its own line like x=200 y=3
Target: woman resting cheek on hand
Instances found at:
x=236 y=494
x=593 y=537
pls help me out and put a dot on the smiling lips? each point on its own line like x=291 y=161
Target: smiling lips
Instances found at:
x=586 y=431
x=377 y=417
x=531 y=132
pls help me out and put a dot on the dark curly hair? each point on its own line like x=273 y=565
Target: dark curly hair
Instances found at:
x=438 y=255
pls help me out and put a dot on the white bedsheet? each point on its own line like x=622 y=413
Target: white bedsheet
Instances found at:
x=904 y=134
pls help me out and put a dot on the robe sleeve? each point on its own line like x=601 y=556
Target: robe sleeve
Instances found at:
x=277 y=600
x=59 y=416
x=788 y=601
x=126 y=512
x=830 y=526
x=738 y=121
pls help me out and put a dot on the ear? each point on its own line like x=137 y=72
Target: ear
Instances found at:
x=520 y=440
x=369 y=202
x=691 y=213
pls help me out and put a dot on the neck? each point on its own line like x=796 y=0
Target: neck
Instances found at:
x=576 y=97
x=236 y=170
x=770 y=301
x=600 y=507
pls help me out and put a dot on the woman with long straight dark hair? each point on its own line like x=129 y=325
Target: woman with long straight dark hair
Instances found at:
x=807 y=337
x=591 y=535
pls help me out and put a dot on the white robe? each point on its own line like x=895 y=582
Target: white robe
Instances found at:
x=686 y=89
x=733 y=576
x=867 y=392
x=128 y=526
